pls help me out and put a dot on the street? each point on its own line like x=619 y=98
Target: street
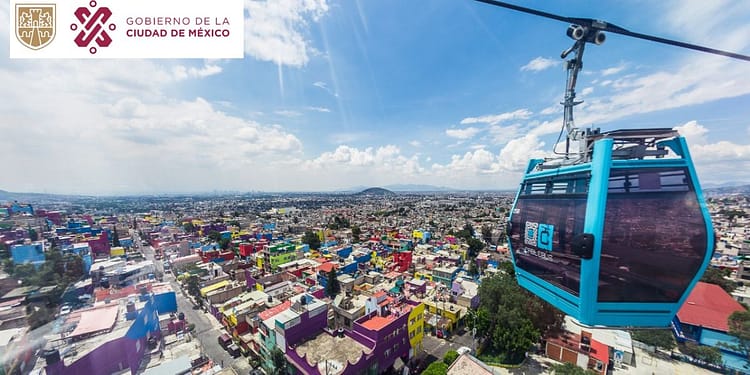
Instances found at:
x=207 y=328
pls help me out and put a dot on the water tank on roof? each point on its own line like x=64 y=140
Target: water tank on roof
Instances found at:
x=52 y=356
x=130 y=307
x=181 y=316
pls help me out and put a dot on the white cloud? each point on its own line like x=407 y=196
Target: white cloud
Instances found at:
x=182 y=72
x=415 y=143
x=386 y=158
x=347 y=137
x=287 y=113
x=587 y=91
x=516 y=154
x=716 y=162
x=539 y=64
x=463 y=134
x=552 y=110
x=613 y=70
x=107 y=127
x=275 y=29
x=520 y=114
x=694 y=132
x=318 y=109
x=324 y=86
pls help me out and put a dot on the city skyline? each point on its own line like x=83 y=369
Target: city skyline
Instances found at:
x=336 y=94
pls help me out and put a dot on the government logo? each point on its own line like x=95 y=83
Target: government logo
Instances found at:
x=93 y=24
x=35 y=24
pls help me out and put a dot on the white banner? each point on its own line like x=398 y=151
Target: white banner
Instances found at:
x=126 y=29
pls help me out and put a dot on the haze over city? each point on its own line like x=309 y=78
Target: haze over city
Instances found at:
x=336 y=94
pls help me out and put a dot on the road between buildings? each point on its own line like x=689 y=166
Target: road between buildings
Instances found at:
x=207 y=328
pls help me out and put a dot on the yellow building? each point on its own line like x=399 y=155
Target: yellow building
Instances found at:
x=213 y=287
x=447 y=311
x=416 y=329
x=117 y=251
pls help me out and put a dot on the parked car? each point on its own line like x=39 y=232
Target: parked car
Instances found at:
x=234 y=350
x=65 y=310
x=463 y=350
x=225 y=341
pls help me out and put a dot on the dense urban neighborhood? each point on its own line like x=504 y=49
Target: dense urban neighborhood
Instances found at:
x=371 y=282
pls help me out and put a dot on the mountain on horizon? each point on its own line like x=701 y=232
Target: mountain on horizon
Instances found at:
x=721 y=190
x=376 y=191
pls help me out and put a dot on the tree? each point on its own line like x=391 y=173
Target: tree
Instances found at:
x=224 y=243
x=193 y=286
x=278 y=360
x=115 y=238
x=716 y=276
x=449 y=357
x=660 y=338
x=475 y=246
x=4 y=252
x=707 y=354
x=332 y=286
x=507 y=268
x=9 y=266
x=311 y=238
x=436 y=368
x=33 y=235
x=570 y=369
x=739 y=327
x=214 y=236
x=512 y=319
x=38 y=315
x=473 y=269
x=466 y=233
x=189 y=227
x=487 y=233
x=356 y=232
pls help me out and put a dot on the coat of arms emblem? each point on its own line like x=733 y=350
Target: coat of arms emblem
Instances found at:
x=35 y=24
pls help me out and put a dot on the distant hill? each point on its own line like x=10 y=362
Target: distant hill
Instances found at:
x=376 y=191
x=35 y=197
x=743 y=189
x=417 y=188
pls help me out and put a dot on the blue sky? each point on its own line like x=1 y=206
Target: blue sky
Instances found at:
x=333 y=94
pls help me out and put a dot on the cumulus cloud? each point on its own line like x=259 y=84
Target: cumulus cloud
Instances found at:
x=539 y=64
x=182 y=72
x=462 y=134
x=520 y=114
x=318 y=109
x=121 y=133
x=275 y=29
x=386 y=158
x=613 y=70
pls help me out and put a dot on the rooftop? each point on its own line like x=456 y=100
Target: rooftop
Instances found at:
x=330 y=353
x=466 y=364
x=377 y=322
x=708 y=305
x=95 y=320
x=269 y=313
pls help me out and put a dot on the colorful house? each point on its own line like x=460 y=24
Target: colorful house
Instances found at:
x=28 y=253
x=702 y=319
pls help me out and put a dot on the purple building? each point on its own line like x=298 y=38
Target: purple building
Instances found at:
x=117 y=344
x=375 y=344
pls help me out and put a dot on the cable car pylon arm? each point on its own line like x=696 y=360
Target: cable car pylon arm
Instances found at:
x=605 y=26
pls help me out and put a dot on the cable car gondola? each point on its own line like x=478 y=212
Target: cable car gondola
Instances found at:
x=615 y=232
